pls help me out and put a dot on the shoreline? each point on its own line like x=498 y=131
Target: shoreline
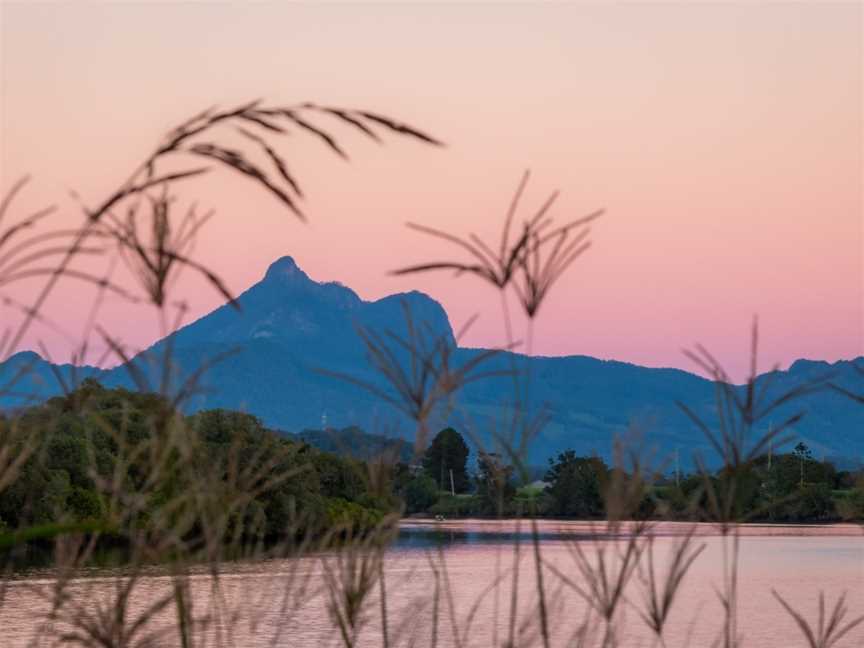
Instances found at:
x=548 y=526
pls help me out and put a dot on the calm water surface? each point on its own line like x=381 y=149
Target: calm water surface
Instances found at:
x=285 y=602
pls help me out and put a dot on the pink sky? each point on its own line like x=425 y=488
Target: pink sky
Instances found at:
x=724 y=141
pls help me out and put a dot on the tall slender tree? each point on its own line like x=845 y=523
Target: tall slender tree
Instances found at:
x=448 y=451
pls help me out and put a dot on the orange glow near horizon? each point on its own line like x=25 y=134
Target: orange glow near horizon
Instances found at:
x=723 y=141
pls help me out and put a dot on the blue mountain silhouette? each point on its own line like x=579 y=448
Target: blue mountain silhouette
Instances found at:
x=276 y=358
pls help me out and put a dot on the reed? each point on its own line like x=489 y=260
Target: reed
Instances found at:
x=181 y=506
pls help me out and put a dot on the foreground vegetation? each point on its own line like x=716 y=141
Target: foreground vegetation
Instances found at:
x=94 y=435
x=190 y=493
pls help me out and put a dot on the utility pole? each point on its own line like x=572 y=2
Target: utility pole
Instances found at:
x=677 y=470
x=452 y=486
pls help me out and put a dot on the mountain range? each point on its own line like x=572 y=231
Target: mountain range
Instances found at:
x=277 y=356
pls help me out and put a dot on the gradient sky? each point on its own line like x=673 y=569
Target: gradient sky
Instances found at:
x=724 y=141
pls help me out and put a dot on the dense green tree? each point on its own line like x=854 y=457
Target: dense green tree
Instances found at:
x=574 y=485
x=495 y=486
x=84 y=438
x=795 y=486
x=851 y=507
x=802 y=451
x=448 y=451
x=308 y=498
x=338 y=477
x=684 y=499
x=804 y=456
x=812 y=502
x=808 y=470
x=737 y=490
x=420 y=494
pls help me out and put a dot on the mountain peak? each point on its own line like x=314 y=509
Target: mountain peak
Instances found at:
x=26 y=356
x=285 y=269
x=805 y=365
x=284 y=276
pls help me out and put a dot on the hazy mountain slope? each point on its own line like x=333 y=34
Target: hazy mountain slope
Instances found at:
x=26 y=378
x=356 y=443
x=290 y=326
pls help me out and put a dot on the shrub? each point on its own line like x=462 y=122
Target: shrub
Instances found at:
x=420 y=493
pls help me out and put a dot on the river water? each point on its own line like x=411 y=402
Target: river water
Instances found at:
x=450 y=584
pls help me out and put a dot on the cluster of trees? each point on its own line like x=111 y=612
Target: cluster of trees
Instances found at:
x=85 y=447
x=786 y=487
x=442 y=483
x=79 y=443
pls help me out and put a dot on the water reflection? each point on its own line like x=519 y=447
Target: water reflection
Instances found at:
x=426 y=534
x=433 y=535
x=284 y=602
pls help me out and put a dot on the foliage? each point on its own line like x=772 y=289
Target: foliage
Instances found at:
x=495 y=486
x=851 y=505
x=344 y=514
x=810 y=503
x=456 y=506
x=79 y=455
x=448 y=452
x=420 y=494
x=355 y=443
x=574 y=485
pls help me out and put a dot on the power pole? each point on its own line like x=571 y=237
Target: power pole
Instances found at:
x=452 y=486
x=677 y=470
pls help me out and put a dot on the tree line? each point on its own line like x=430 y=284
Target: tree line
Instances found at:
x=76 y=446
x=83 y=439
x=781 y=487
